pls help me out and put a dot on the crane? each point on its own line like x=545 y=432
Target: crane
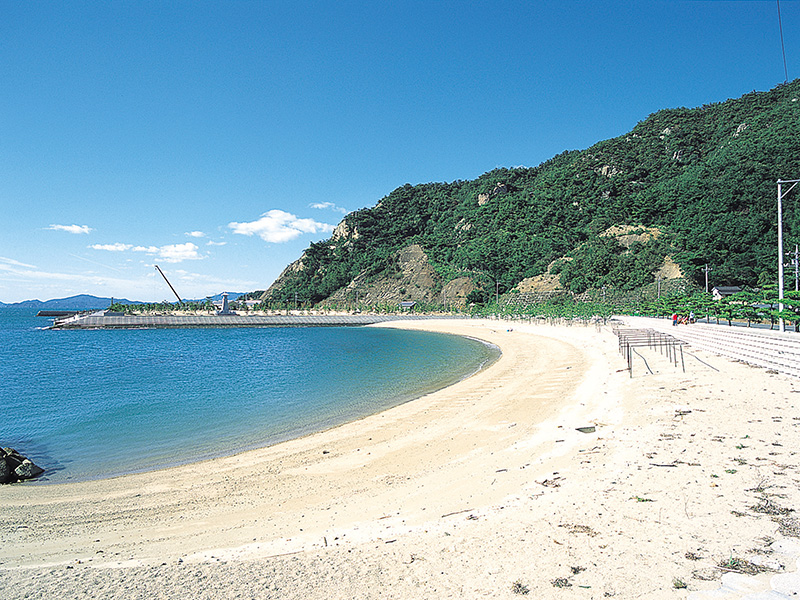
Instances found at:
x=169 y=284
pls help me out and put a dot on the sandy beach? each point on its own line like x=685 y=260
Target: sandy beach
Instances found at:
x=486 y=489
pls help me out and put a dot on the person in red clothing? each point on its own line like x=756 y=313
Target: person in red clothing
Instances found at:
x=674 y=319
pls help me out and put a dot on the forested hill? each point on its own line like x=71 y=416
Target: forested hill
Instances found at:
x=704 y=177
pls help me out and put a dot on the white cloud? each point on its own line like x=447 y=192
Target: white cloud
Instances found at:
x=328 y=205
x=117 y=247
x=175 y=253
x=20 y=281
x=15 y=263
x=172 y=253
x=278 y=226
x=213 y=243
x=205 y=282
x=17 y=272
x=71 y=228
x=195 y=234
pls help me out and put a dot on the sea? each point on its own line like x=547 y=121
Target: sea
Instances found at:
x=95 y=404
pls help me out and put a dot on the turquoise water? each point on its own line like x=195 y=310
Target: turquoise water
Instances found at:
x=93 y=404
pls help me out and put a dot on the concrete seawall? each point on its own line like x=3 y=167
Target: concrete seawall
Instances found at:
x=764 y=348
x=95 y=321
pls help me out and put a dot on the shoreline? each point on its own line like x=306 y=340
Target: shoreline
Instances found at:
x=468 y=490
x=251 y=436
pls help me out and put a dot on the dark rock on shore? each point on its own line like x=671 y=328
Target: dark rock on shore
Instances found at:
x=15 y=467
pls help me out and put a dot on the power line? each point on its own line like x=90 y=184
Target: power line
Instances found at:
x=783 y=48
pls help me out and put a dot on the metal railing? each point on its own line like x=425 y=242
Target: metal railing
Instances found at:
x=630 y=339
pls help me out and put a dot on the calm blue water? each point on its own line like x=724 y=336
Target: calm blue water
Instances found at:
x=91 y=404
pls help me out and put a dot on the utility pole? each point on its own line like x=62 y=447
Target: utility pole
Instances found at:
x=707 y=269
x=781 y=194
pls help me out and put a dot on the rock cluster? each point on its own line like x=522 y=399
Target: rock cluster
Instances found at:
x=15 y=467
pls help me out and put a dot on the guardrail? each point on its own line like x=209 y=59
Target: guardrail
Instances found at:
x=763 y=348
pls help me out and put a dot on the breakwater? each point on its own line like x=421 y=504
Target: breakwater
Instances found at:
x=103 y=321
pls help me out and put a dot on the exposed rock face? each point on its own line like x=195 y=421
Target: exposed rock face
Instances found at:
x=278 y=284
x=414 y=279
x=411 y=277
x=343 y=231
x=669 y=270
x=546 y=282
x=455 y=292
x=463 y=225
x=608 y=171
x=499 y=189
x=15 y=467
x=626 y=235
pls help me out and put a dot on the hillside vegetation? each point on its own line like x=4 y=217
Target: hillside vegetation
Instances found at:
x=701 y=183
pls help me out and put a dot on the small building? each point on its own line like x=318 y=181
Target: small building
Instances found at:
x=723 y=291
x=407 y=305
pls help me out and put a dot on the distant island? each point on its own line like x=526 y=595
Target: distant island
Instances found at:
x=83 y=302
x=79 y=302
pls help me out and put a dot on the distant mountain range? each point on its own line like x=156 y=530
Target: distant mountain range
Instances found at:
x=87 y=302
x=80 y=302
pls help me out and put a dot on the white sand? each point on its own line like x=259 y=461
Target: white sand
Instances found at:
x=484 y=489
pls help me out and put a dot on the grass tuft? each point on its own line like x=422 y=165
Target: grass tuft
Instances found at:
x=520 y=588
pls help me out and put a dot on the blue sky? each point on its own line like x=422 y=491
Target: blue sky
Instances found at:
x=218 y=139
